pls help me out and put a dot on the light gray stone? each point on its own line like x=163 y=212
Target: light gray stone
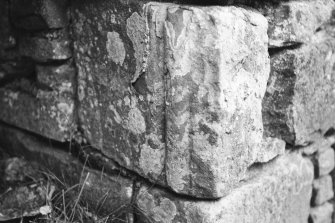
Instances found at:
x=180 y=86
x=325 y=161
x=322 y=214
x=323 y=190
x=276 y=192
x=48 y=111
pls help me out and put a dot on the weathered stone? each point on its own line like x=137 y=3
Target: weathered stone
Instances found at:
x=188 y=99
x=48 y=112
x=295 y=21
x=39 y=14
x=325 y=162
x=276 y=192
x=217 y=68
x=322 y=190
x=56 y=77
x=126 y=122
x=300 y=97
x=320 y=144
x=53 y=45
x=102 y=194
x=322 y=214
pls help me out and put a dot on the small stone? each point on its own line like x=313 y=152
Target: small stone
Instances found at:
x=325 y=161
x=270 y=148
x=300 y=99
x=279 y=191
x=322 y=214
x=47 y=46
x=60 y=77
x=322 y=190
x=320 y=144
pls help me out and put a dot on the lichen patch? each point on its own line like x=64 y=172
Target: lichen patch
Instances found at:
x=115 y=48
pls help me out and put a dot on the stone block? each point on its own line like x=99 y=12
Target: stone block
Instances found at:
x=187 y=99
x=322 y=214
x=102 y=194
x=322 y=190
x=46 y=46
x=325 y=162
x=45 y=111
x=279 y=191
x=39 y=14
x=320 y=144
x=300 y=99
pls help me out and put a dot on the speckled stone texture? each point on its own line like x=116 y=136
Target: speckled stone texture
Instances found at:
x=276 y=192
x=173 y=92
x=300 y=97
x=295 y=21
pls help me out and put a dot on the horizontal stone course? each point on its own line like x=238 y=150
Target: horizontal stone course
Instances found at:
x=322 y=214
x=325 y=162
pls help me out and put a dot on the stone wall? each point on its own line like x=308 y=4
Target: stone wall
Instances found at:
x=183 y=111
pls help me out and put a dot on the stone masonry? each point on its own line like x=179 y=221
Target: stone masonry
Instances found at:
x=176 y=111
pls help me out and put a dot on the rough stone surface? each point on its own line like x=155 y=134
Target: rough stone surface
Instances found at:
x=300 y=97
x=320 y=144
x=322 y=214
x=48 y=112
x=296 y=21
x=322 y=190
x=39 y=14
x=325 y=162
x=114 y=190
x=276 y=192
x=46 y=46
x=180 y=86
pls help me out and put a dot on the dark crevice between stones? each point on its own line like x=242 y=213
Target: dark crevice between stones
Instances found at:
x=92 y=158
x=78 y=132
x=286 y=46
x=98 y=161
